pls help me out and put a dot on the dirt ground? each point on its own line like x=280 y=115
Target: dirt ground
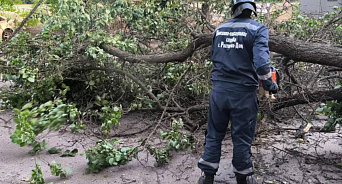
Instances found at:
x=278 y=156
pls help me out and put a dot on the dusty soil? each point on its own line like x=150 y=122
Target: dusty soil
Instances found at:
x=279 y=158
x=283 y=158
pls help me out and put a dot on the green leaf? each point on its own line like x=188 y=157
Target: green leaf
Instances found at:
x=64 y=86
x=74 y=151
x=22 y=71
x=72 y=126
x=31 y=79
x=26 y=106
x=116 y=109
x=72 y=116
x=118 y=158
x=54 y=150
x=91 y=83
x=98 y=98
x=330 y=125
x=259 y=116
x=111 y=161
x=16 y=111
x=16 y=120
x=319 y=110
x=25 y=75
x=300 y=140
x=69 y=153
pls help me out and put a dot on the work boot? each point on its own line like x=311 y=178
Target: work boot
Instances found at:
x=206 y=179
x=244 y=179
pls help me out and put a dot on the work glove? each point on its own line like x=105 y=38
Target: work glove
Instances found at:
x=270 y=85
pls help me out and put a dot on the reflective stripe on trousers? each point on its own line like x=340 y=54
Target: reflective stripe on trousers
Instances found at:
x=213 y=165
x=247 y=171
x=240 y=108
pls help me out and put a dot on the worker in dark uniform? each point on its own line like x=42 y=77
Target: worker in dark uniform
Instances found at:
x=240 y=57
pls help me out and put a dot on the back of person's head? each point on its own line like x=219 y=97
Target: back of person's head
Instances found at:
x=246 y=13
x=242 y=8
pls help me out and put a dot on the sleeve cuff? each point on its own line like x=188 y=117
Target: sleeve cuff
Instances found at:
x=266 y=76
x=263 y=70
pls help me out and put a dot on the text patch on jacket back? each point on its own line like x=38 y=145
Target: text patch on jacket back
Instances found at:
x=232 y=52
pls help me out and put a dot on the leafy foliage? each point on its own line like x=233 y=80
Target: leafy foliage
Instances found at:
x=33 y=121
x=334 y=111
x=54 y=150
x=104 y=155
x=176 y=141
x=57 y=170
x=37 y=147
x=64 y=67
x=33 y=21
x=110 y=117
x=162 y=156
x=36 y=175
x=77 y=126
x=68 y=153
x=328 y=27
x=72 y=38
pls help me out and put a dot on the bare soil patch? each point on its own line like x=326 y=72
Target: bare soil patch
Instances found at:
x=278 y=156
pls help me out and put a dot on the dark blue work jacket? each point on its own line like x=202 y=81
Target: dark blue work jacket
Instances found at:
x=239 y=50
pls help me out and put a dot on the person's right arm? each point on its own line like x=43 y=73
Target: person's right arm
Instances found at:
x=261 y=60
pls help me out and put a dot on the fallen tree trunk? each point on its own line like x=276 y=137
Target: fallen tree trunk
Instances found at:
x=315 y=53
x=307 y=97
x=295 y=49
x=200 y=41
x=299 y=99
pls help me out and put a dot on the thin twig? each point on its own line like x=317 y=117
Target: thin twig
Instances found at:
x=331 y=77
x=168 y=101
x=314 y=79
x=136 y=80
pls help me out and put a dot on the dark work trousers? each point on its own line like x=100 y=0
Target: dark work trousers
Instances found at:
x=239 y=106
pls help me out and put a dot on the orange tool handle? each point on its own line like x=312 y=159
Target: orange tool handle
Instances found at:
x=274 y=78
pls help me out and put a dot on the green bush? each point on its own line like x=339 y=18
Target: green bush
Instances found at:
x=176 y=141
x=104 y=155
x=332 y=109
x=31 y=121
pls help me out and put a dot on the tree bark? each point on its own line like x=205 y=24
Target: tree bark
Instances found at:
x=295 y=49
x=180 y=56
x=306 y=52
x=307 y=97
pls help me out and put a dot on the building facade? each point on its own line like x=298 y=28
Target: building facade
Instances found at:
x=317 y=8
